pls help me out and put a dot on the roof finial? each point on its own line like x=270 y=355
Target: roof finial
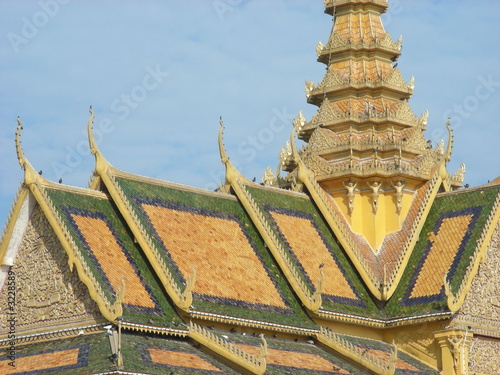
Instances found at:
x=231 y=172
x=100 y=163
x=223 y=155
x=449 y=147
x=20 y=154
x=30 y=175
x=92 y=144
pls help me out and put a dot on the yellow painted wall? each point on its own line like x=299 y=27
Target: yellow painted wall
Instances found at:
x=374 y=225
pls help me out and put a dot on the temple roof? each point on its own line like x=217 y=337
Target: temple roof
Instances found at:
x=366 y=239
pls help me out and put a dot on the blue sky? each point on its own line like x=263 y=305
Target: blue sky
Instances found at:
x=160 y=73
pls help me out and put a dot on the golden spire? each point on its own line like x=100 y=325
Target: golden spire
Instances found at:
x=30 y=175
x=101 y=164
x=449 y=147
x=231 y=173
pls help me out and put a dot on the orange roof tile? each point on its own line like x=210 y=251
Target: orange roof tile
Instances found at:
x=180 y=359
x=112 y=260
x=302 y=242
x=226 y=264
x=299 y=360
x=51 y=361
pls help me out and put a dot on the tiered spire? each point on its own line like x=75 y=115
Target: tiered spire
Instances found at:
x=364 y=145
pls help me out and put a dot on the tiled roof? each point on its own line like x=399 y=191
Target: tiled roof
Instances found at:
x=160 y=356
x=287 y=356
x=92 y=354
x=359 y=70
x=311 y=245
x=110 y=253
x=446 y=246
x=360 y=27
x=405 y=364
x=84 y=354
x=235 y=275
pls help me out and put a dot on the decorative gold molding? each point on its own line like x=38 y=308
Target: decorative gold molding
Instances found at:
x=237 y=356
x=412 y=237
x=332 y=82
x=229 y=320
x=336 y=44
x=55 y=334
x=382 y=289
x=237 y=182
x=358 y=354
x=36 y=184
x=49 y=294
x=454 y=345
x=154 y=329
x=181 y=298
x=306 y=176
x=312 y=301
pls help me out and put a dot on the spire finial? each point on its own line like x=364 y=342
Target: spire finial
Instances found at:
x=449 y=147
x=19 y=150
x=92 y=143
x=100 y=163
x=223 y=155
x=30 y=175
x=231 y=172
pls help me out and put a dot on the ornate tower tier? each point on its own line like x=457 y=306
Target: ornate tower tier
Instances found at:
x=365 y=145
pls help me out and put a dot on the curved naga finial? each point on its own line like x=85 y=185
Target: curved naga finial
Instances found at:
x=449 y=146
x=30 y=175
x=231 y=173
x=100 y=163
x=223 y=155
x=92 y=143
x=19 y=150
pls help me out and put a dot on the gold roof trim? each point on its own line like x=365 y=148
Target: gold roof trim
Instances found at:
x=36 y=185
x=337 y=3
x=237 y=356
x=358 y=354
x=169 y=184
x=30 y=175
x=238 y=183
x=306 y=177
x=154 y=329
x=336 y=43
x=182 y=298
x=381 y=287
x=329 y=117
x=225 y=319
x=382 y=323
x=57 y=334
x=332 y=82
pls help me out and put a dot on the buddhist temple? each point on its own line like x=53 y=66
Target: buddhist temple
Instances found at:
x=361 y=253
